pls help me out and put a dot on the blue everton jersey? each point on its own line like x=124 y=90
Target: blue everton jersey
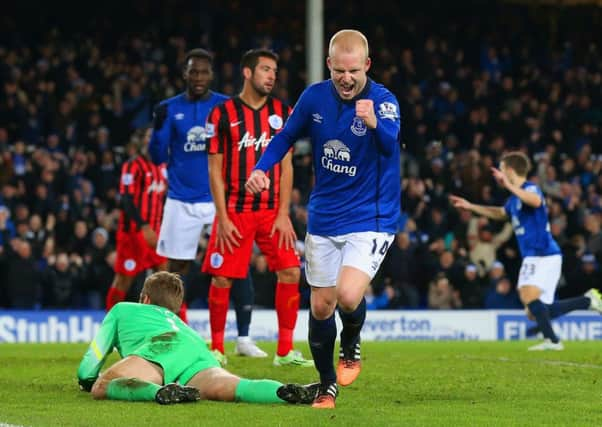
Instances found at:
x=531 y=225
x=357 y=170
x=181 y=141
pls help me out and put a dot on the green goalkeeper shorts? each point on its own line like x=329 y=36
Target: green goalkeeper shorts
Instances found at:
x=180 y=357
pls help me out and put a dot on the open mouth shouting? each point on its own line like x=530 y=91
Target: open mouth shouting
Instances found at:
x=346 y=89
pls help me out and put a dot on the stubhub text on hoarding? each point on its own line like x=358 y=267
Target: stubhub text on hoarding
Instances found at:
x=477 y=325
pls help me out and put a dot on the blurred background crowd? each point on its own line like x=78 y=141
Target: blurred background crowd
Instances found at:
x=473 y=80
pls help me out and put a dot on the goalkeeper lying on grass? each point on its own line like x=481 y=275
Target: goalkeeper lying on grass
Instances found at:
x=165 y=360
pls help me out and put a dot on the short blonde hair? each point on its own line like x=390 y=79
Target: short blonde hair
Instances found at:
x=164 y=289
x=348 y=40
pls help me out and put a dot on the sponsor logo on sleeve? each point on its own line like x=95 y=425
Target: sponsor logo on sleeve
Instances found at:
x=388 y=110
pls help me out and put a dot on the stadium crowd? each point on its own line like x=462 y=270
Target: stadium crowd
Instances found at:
x=468 y=89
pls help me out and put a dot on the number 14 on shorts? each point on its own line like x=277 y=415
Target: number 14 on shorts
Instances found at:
x=383 y=247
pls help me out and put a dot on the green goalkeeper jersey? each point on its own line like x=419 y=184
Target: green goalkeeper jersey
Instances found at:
x=149 y=331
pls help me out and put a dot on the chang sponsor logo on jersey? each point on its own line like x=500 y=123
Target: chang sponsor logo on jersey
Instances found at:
x=250 y=141
x=335 y=155
x=195 y=139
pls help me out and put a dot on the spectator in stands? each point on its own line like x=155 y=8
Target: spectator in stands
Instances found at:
x=400 y=268
x=22 y=280
x=62 y=282
x=442 y=295
x=501 y=295
x=470 y=288
x=585 y=277
x=594 y=239
x=484 y=242
x=99 y=269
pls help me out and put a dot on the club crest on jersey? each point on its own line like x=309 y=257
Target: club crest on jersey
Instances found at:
x=275 y=121
x=216 y=260
x=387 y=110
x=335 y=155
x=127 y=179
x=129 y=264
x=358 y=127
x=195 y=139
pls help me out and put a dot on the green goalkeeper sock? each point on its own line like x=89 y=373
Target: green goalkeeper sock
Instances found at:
x=257 y=391
x=132 y=389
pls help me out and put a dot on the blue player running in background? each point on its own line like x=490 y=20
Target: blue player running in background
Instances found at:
x=354 y=208
x=180 y=139
x=542 y=258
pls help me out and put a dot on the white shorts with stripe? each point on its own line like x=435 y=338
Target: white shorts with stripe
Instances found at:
x=325 y=255
x=181 y=228
x=542 y=272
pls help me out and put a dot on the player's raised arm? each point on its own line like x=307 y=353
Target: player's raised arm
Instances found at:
x=383 y=117
x=529 y=195
x=100 y=347
x=497 y=213
x=158 y=147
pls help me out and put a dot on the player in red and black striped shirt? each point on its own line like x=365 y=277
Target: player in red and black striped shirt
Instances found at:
x=240 y=130
x=143 y=187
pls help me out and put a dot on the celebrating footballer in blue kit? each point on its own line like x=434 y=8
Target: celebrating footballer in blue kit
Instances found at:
x=542 y=260
x=354 y=208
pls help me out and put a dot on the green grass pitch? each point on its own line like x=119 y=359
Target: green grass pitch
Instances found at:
x=402 y=383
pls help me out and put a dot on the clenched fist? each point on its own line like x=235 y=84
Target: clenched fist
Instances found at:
x=257 y=182
x=364 y=109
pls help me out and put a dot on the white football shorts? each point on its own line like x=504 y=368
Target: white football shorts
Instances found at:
x=542 y=272
x=181 y=228
x=325 y=255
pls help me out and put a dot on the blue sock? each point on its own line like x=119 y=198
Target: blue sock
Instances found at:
x=352 y=324
x=322 y=335
x=540 y=311
x=242 y=294
x=558 y=308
